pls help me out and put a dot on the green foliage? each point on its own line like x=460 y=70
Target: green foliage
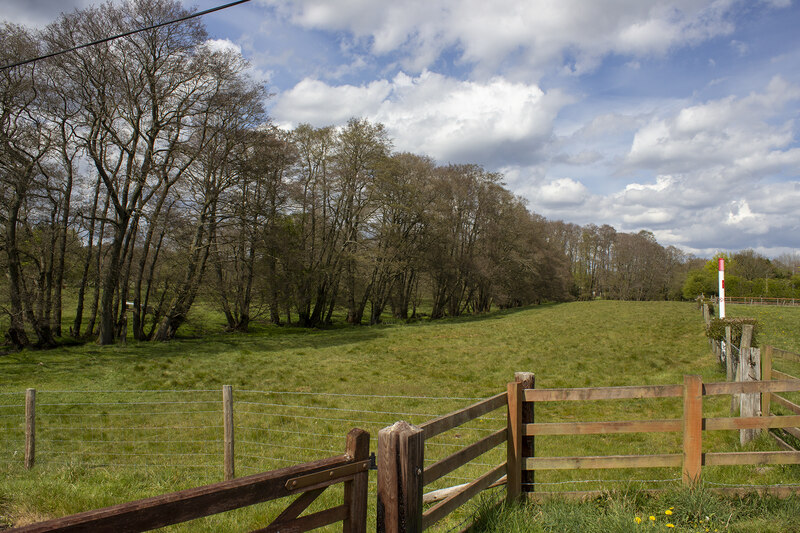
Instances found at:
x=699 y=282
x=716 y=329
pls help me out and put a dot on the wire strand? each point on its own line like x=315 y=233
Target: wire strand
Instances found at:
x=125 y=34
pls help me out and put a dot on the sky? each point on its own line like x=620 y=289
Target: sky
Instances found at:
x=675 y=116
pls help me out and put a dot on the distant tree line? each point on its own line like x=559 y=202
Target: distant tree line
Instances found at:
x=141 y=173
x=747 y=274
x=621 y=266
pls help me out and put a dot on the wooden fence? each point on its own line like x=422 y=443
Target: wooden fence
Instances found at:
x=768 y=372
x=401 y=455
x=757 y=300
x=227 y=433
x=307 y=481
x=692 y=425
x=402 y=475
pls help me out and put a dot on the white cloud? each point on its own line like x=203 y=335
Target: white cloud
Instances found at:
x=493 y=123
x=561 y=193
x=648 y=217
x=574 y=32
x=320 y=104
x=223 y=45
x=737 y=137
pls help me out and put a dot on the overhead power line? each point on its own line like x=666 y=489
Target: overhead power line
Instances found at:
x=118 y=36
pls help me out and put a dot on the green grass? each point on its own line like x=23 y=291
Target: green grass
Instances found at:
x=631 y=511
x=389 y=370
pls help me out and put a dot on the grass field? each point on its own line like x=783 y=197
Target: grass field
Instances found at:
x=102 y=440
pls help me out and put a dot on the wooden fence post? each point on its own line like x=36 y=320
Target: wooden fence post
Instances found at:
x=766 y=375
x=227 y=424
x=749 y=370
x=355 y=491
x=514 y=442
x=401 y=454
x=30 y=428
x=528 y=380
x=728 y=355
x=692 y=429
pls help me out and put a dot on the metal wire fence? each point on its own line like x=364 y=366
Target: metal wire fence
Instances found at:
x=183 y=429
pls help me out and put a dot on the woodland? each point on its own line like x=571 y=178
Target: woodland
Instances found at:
x=141 y=175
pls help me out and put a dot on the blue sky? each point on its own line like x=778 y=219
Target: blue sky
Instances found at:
x=675 y=116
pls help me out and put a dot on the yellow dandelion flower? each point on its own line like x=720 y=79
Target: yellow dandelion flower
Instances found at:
x=637 y=520
x=670 y=525
x=667 y=512
x=652 y=518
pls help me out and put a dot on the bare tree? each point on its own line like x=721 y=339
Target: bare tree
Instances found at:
x=25 y=143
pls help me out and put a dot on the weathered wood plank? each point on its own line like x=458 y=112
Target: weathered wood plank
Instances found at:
x=227 y=432
x=692 y=429
x=591 y=428
x=463 y=456
x=298 y=505
x=751 y=458
x=782 y=443
x=528 y=380
x=782 y=375
x=514 y=441
x=714 y=389
x=439 y=425
x=780 y=400
x=749 y=404
x=401 y=449
x=185 y=505
x=442 y=494
x=355 y=491
x=604 y=461
x=308 y=522
x=766 y=375
x=785 y=354
x=30 y=428
x=752 y=422
x=603 y=393
x=778 y=492
x=445 y=507
x=794 y=432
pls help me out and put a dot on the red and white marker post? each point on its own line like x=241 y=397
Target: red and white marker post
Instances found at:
x=721 y=287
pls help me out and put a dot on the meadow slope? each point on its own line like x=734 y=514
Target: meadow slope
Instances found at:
x=374 y=375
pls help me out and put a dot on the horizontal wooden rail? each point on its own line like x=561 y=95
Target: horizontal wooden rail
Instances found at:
x=780 y=400
x=443 y=423
x=593 y=428
x=603 y=393
x=751 y=458
x=750 y=387
x=580 y=495
x=659 y=461
x=604 y=461
x=784 y=353
x=751 y=422
x=782 y=375
x=445 y=507
x=463 y=456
